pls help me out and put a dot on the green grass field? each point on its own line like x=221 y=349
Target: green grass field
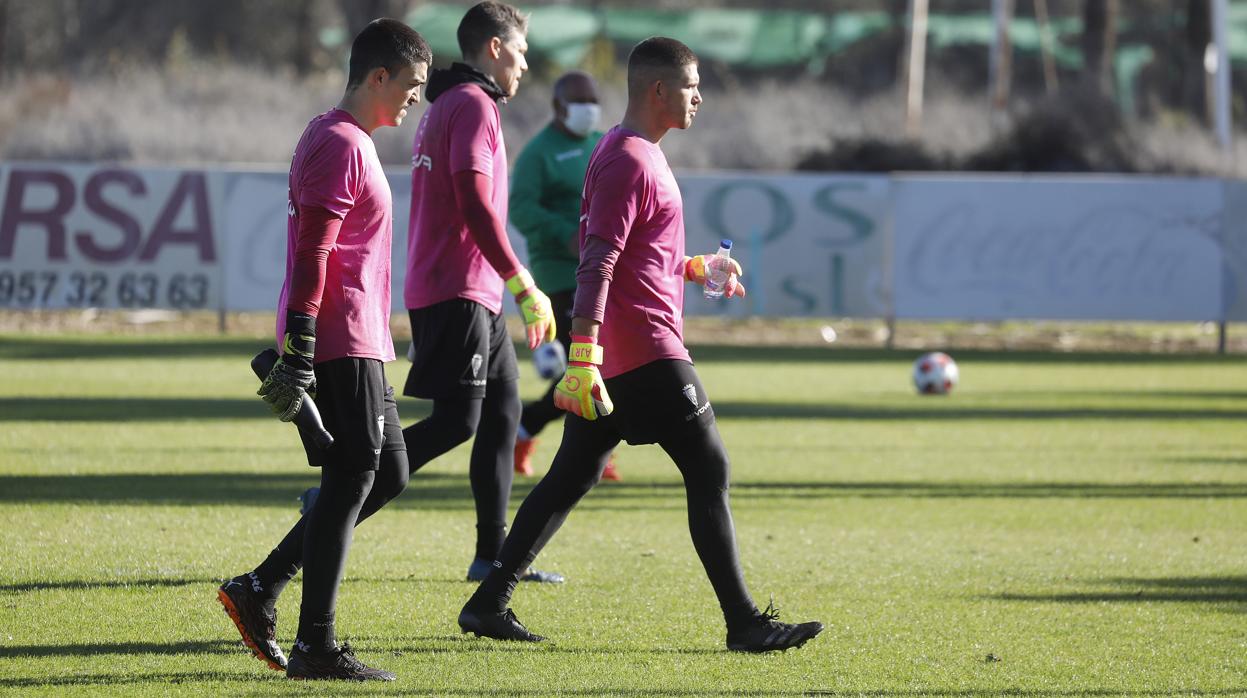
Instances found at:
x=1064 y=525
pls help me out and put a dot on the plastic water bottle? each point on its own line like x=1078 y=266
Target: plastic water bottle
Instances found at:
x=718 y=270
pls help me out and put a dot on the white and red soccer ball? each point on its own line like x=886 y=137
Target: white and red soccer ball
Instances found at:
x=935 y=374
x=550 y=359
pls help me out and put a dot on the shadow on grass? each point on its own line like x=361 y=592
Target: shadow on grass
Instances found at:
x=988 y=490
x=441 y=644
x=128 y=679
x=870 y=693
x=448 y=491
x=1136 y=394
x=1213 y=590
x=45 y=348
x=91 y=585
x=42 y=348
x=438 y=645
x=1205 y=460
x=240 y=489
x=1031 y=692
x=190 y=677
x=821 y=354
x=941 y=410
x=104 y=679
x=94 y=648
x=207 y=583
x=151 y=409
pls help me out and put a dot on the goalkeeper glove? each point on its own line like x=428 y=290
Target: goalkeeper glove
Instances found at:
x=291 y=379
x=695 y=269
x=581 y=391
x=535 y=306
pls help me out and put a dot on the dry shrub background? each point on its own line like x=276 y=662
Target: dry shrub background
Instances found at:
x=197 y=111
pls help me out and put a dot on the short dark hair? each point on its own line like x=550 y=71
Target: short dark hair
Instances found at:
x=486 y=20
x=386 y=43
x=656 y=58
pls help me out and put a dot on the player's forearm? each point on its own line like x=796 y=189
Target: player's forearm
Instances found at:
x=485 y=227
x=318 y=231
x=584 y=327
x=593 y=278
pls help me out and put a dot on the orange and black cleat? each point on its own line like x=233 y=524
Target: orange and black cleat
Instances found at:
x=257 y=625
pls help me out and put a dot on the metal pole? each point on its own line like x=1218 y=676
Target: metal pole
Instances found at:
x=1221 y=87
x=917 y=64
x=1002 y=53
x=889 y=262
x=1051 y=85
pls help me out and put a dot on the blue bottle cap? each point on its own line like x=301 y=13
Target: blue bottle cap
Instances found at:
x=725 y=244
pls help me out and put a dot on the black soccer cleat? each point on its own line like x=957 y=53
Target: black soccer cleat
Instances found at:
x=764 y=633
x=257 y=625
x=339 y=664
x=499 y=626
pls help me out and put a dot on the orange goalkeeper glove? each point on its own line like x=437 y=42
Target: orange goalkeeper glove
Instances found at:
x=695 y=271
x=581 y=391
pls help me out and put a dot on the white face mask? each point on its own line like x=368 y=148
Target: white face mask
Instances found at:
x=582 y=117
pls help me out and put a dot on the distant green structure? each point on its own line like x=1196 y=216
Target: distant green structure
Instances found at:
x=766 y=39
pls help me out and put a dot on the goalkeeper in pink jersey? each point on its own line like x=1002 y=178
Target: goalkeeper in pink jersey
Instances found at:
x=459 y=262
x=629 y=376
x=333 y=328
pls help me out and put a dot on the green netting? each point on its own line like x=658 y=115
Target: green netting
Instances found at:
x=946 y=30
x=768 y=39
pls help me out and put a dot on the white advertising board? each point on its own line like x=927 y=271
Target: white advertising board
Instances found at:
x=76 y=236
x=1057 y=248
x=255 y=217
x=255 y=214
x=808 y=244
x=937 y=247
x=1234 y=250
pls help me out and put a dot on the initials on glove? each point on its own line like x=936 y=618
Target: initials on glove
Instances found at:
x=535 y=307
x=581 y=391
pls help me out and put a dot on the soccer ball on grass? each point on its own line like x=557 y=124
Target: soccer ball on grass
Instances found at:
x=935 y=374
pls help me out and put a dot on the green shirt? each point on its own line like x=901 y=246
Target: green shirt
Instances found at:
x=546 y=188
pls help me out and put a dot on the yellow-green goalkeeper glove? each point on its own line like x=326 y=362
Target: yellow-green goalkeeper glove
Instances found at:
x=695 y=271
x=535 y=306
x=581 y=391
x=291 y=378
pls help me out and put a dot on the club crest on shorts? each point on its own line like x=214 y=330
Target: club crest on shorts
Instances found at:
x=476 y=364
x=690 y=392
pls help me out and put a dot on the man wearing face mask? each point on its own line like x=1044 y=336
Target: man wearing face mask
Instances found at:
x=545 y=207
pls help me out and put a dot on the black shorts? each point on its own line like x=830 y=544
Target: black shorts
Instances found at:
x=359 y=411
x=459 y=346
x=658 y=400
x=561 y=303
